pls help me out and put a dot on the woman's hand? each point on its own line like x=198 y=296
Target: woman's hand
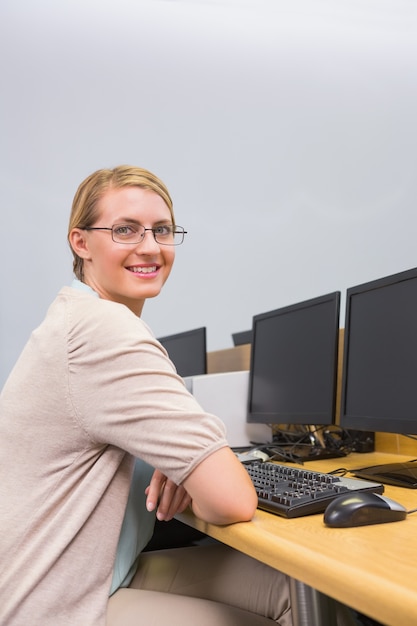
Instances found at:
x=165 y=496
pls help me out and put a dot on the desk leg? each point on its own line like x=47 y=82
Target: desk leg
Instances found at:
x=312 y=608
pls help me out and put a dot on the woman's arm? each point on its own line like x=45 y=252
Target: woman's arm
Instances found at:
x=221 y=490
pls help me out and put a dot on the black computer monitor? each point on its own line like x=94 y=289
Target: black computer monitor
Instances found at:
x=242 y=337
x=379 y=382
x=188 y=351
x=293 y=368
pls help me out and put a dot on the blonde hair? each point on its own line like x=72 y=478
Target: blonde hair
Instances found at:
x=92 y=189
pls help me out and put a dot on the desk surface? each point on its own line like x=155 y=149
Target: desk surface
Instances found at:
x=370 y=568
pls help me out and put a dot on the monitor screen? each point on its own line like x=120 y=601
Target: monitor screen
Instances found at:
x=187 y=350
x=379 y=384
x=293 y=370
x=242 y=337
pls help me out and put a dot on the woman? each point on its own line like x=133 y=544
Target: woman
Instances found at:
x=92 y=391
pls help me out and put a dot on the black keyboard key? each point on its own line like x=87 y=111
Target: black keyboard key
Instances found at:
x=295 y=492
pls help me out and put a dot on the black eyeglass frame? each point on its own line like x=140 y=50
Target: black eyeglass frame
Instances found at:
x=176 y=230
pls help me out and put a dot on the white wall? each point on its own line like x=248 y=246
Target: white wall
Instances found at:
x=285 y=130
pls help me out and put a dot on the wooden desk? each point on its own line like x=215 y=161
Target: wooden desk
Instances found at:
x=370 y=568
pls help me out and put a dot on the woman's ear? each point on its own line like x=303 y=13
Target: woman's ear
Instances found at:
x=78 y=243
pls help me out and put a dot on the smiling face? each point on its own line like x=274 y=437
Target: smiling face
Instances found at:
x=125 y=273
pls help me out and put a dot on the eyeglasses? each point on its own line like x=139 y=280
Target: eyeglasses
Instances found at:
x=166 y=234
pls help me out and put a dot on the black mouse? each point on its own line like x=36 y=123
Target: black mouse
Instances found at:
x=361 y=508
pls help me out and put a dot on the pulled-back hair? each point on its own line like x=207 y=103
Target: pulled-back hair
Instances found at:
x=91 y=190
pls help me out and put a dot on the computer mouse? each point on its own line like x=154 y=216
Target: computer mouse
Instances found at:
x=361 y=508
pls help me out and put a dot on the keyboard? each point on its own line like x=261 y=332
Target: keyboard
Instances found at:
x=294 y=492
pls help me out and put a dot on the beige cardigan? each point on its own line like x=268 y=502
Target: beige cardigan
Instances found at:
x=91 y=390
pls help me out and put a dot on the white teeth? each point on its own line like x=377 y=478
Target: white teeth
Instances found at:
x=143 y=270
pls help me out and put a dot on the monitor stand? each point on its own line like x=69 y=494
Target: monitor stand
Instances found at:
x=280 y=454
x=298 y=454
x=308 y=444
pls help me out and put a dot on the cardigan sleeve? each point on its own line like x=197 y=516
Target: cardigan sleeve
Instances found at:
x=125 y=391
